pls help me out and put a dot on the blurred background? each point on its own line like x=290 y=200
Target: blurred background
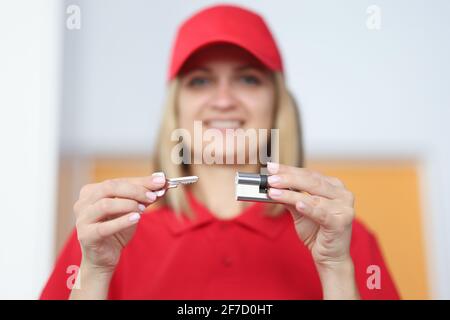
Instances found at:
x=81 y=91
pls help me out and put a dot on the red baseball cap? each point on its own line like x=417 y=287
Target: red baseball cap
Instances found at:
x=225 y=24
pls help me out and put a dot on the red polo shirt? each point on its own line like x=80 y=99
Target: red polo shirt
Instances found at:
x=252 y=256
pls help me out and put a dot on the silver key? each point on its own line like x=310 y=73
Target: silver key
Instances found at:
x=174 y=182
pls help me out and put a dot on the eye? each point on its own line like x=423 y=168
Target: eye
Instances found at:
x=250 y=79
x=198 y=81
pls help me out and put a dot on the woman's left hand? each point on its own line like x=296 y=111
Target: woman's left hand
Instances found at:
x=323 y=216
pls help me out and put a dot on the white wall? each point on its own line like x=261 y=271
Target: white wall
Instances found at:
x=29 y=65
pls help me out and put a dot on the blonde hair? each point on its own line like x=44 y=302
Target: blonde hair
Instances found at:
x=286 y=119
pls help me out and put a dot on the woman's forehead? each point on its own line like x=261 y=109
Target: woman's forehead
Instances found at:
x=221 y=54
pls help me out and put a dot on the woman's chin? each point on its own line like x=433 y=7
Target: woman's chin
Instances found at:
x=234 y=156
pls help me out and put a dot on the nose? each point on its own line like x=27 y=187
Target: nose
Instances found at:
x=223 y=98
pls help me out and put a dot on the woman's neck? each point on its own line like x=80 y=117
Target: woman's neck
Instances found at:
x=216 y=188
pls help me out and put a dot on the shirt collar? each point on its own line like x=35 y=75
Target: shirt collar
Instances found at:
x=252 y=217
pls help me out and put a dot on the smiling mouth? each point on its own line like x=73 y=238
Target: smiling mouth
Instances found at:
x=224 y=124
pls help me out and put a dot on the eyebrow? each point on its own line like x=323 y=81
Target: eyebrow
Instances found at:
x=238 y=68
x=193 y=69
x=249 y=66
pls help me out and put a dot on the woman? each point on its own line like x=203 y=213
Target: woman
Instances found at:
x=200 y=243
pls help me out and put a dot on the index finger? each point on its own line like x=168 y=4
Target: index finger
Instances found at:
x=154 y=182
x=302 y=179
x=121 y=188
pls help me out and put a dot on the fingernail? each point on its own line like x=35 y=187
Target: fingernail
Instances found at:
x=272 y=167
x=160 y=193
x=159 y=177
x=300 y=205
x=141 y=207
x=134 y=217
x=275 y=192
x=150 y=195
x=273 y=179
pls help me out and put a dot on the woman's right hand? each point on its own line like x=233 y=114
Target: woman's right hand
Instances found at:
x=107 y=214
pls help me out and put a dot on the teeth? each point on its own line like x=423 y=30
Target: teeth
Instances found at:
x=223 y=124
